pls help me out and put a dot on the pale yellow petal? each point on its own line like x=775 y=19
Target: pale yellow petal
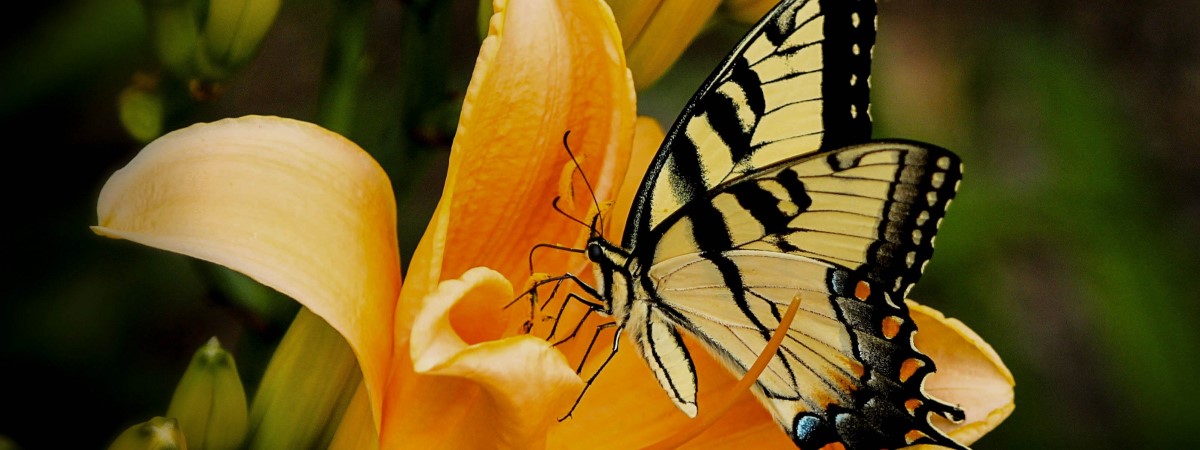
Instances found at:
x=969 y=374
x=296 y=207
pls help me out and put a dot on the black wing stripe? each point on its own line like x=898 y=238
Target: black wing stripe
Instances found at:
x=719 y=137
x=686 y=172
x=763 y=206
x=847 y=56
x=750 y=84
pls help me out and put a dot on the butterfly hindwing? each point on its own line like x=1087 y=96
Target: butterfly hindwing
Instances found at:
x=798 y=81
x=848 y=230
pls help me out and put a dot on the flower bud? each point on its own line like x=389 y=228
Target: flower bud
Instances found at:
x=208 y=47
x=232 y=35
x=140 y=108
x=747 y=11
x=654 y=33
x=155 y=434
x=174 y=33
x=306 y=389
x=209 y=401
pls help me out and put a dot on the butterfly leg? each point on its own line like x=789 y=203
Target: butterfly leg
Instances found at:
x=578 y=325
x=533 y=284
x=592 y=379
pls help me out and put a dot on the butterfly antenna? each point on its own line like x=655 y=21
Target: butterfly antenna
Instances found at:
x=551 y=246
x=554 y=204
x=582 y=174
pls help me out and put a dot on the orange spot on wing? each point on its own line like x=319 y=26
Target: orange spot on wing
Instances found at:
x=862 y=290
x=911 y=405
x=834 y=446
x=909 y=367
x=913 y=436
x=891 y=326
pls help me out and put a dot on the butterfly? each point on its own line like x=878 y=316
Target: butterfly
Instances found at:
x=769 y=185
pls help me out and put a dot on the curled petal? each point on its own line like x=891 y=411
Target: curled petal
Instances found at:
x=547 y=67
x=525 y=383
x=292 y=205
x=969 y=374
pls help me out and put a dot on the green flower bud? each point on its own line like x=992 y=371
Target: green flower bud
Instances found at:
x=656 y=32
x=140 y=107
x=174 y=33
x=209 y=401
x=306 y=389
x=232 y=35
x=208 y=47
x=155 y=434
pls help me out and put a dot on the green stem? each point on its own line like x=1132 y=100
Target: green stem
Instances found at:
x=345 y=65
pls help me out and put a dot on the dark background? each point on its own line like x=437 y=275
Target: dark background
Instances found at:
x=1072 y=247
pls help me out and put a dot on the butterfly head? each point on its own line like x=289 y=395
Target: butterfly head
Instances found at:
x=611 y=265
x=595 y=250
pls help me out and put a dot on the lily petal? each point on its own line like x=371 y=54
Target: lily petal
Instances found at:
x=292 y=205
x=533 y=82
x=522 y=382
x=969 y=374
x=626 y=408
x=548 y=67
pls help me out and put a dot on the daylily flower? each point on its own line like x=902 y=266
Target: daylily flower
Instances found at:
x=444 y=363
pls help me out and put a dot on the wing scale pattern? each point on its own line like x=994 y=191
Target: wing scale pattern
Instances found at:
x=852 y=230
x=767 y=186
x=799 y=81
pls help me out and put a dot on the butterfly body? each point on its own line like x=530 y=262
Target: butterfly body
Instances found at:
x=769 y=186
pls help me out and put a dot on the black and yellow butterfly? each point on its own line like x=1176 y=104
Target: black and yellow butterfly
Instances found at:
x=769 y=185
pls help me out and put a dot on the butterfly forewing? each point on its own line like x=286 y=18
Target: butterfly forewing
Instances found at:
x=798 y=83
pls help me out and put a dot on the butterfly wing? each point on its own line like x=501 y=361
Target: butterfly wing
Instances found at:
x=799 y=80
x=850 y=230
x=765 y=187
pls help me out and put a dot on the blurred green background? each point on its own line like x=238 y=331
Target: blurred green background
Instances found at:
x=1073 y=247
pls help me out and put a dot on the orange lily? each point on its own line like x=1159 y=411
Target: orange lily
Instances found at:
x=444 y=364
